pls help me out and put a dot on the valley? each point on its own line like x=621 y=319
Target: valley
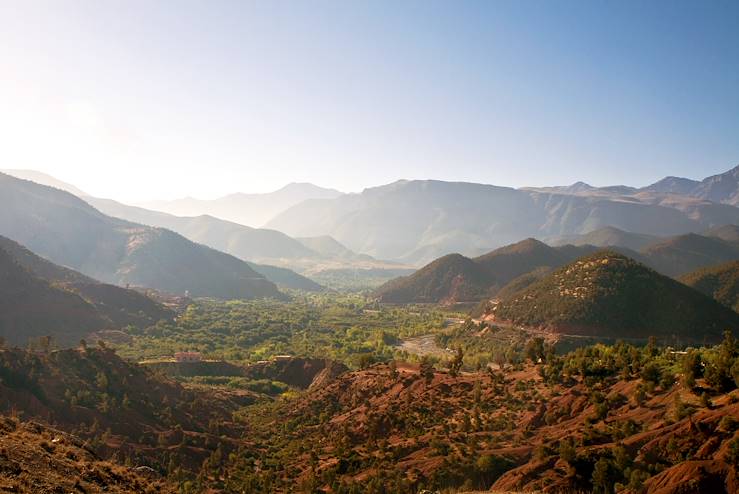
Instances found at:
x=158 y=354
x=369 y=247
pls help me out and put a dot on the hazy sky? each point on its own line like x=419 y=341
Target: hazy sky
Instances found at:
x=153 y=99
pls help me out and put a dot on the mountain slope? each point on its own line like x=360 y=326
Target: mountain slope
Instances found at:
x=509 y=262
x=37 y=458
x=44 y=179
x=119 y=307
x=285 y=278
x=249 y=244
x=244 y=242
x=452 y=278
x=673 y=256
x=722 y=188
x=121 y=409
x=609 y=237
x=720 y=282
x=609 y=295
x=455 y=278
x=328 y=247
x=418 y=221
x=673 y=185
x=727 y=233
x=31 y=307
x=68 y=231
x=247 y=209
x=679 y=255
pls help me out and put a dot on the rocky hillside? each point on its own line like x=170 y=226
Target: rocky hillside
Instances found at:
x=36 y=458
x=720 y=282
x=596 y=420
x=610 y=295
x=70 y=232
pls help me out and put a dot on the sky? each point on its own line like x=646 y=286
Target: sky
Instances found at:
x=138 y=100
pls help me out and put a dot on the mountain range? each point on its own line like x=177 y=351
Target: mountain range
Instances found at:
x=455 y=278
x=420 y=220
x=269 y=252
x=247 y=209
x=68 y=231
x=411 y=223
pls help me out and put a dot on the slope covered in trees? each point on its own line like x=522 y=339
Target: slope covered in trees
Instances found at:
x=720 y=282
x=610 y=295
x=455 y=278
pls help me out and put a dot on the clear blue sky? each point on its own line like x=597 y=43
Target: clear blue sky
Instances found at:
x=154 y=99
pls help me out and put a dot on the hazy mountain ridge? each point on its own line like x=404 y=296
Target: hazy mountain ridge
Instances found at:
x=246 y=243
x=417 y=221
x=45 y=179
x=271 y=253
x=247 y=209
x=65 y=229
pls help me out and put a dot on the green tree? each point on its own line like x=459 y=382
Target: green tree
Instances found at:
x=456 y=364
x=603 y=477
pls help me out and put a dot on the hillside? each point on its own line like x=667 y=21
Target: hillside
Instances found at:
x=243 y=242
x=118 y=306
x=720 y=282
x=511 y=261
x=120 y=409
x=249 y=244
x=525 y=428
x=610 y=295
x=455 y=278
x=720 y=188
x=37 y=458
x=449 y=279
x=685 y=253
x=269 y=252
x=609 y=237
x=420 y=220
x=66 y=230
x=45 y=179
x=246 y=209
x=31 y=307
x=727 y=233
x=328 y=247
x=673 y=256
